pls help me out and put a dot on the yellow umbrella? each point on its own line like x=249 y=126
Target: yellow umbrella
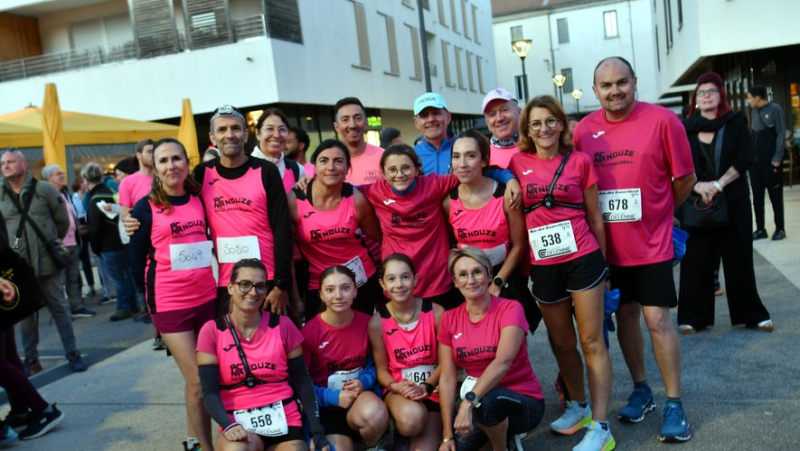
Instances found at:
x=187 y=134
x=55 y=151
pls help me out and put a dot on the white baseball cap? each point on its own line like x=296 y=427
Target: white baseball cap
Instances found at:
x=497 y=94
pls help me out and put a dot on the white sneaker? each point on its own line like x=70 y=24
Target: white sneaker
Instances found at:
x=573 y=420
x=596 y=439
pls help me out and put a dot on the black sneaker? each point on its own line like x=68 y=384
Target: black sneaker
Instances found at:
x=121 y=315
x=42 y=423
x=106 y=301
x=31 y=366
x=17 y=420
x=759 y=234
x=779 y=235
x=158 y=344
x=82 y=312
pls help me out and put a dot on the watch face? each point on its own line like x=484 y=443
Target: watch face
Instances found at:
x=498 y=281
x=470 y=396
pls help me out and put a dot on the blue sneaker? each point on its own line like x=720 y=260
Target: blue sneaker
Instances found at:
x=639 y=403
x=674 y=427
x=7 y=435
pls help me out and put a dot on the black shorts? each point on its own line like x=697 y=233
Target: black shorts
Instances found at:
x=295 y=433
x=651 y=285
x=554 y=283
x=335 y=422
x=449 y=300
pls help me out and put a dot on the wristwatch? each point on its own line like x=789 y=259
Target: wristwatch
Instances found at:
x=282 y=284
x=472 y=398
x=500 y=282
x=429 y=388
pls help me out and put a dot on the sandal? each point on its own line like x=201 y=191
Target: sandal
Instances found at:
x=686 y=329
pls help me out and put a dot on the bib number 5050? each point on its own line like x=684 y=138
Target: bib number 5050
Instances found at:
x=233 y=249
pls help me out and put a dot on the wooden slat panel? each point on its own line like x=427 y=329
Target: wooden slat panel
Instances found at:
x=283 y=20
x=154 y=27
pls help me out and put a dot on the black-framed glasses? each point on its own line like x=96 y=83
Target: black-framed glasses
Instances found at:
x=551 y=123
x=245 y=286
x=704 y=92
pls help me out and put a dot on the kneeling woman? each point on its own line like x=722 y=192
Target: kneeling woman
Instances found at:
x=403 y=337
x=341 y=366
x=485 y=336
x=252 y=369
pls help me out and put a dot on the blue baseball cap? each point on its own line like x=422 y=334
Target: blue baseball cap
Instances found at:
x=429 y=100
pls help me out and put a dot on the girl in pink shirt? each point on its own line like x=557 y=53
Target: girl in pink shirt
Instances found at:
x=568 y=271
x=403 y=338
x=485 y=336
x=325 y=216
x=340 y=362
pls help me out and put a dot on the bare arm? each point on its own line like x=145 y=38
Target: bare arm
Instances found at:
x=447 y=388
x=379 y=351
x=591 y=203
x=516 y=229
x=681 y=187
x=365 y=215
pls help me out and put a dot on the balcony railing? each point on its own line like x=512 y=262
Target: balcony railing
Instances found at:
x=244 y=28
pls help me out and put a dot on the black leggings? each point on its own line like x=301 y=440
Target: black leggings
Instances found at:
x=22 y=395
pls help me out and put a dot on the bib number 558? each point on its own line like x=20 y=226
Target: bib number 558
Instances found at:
x=261 y=421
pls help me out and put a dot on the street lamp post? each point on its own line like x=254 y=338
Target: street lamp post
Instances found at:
x=559 y=80
x=521 y=47
x=576 y=94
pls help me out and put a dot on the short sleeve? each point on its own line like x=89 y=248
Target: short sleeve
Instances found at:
x=588 y=176
x=443 y=183
x=125 y=193
x=676 y=145
x=511 y=314
x=308 y=332
x=291 y=337
x=445 y=335
x=207 y=338
x=512 y=166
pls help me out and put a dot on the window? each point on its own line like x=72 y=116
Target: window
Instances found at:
x=442 y=14
x=568 y=85
x=464 y=10
x=610 y=23
x=475 y=24
x=563 y=31
x=516 y=33
x=363 y=38
x=454 y=15
x=391 y=39
x=479 y=69
x=668 y=23
x=448 y=77
x=416 y=51
x=459 y=71
x=283 y=20
x=470 y=77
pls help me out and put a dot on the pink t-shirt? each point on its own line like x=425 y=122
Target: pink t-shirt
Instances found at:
x=237 y=209
x=167 y=289
x=366 y=168
x=644 y=151
x=328 y=238
x=328 y=349
x=485 y=228
x=134 y=187
x=474 y=345
x=266 y=354
x=535 y=175
x=311 y=170
x=407 y=349
x=501 y=156
x=413 y=224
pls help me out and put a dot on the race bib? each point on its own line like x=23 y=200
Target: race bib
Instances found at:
x=190 y=255
x=233 y=249
x=268 y=420
x=357 y=267
x=337 y=380
x=497 y=254
x=467 y=385
x=552 y=240
x=419 y=373
x=621 y=205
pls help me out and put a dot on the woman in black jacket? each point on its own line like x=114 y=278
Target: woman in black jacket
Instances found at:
x=711 y=119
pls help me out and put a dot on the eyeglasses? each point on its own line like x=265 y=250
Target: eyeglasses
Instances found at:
x=478 y=274
x=282 y=131
x=245 y=286
x=704 y=92
x=551 y=122
x=392 y=172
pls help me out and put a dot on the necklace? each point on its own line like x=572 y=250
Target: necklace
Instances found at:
x=243 y=333
x=410 y=320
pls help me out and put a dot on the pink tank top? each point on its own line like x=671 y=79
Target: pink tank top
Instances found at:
x=411 y=353
x=237 y=214
x=485 y=228
x=327 y=238
x=172 y=235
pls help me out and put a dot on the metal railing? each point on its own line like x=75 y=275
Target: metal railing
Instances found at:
x=244 y=28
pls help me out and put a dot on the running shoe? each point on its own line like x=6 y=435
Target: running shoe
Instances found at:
x=121 y=315
x=674 y=427
x=158 y=344
x=195 y=446
x=573 y=420
x=17 y=420
x=639 y=403
x=514 y=443
x=31 y=366
x=82 y=312
x=42 y=423
x=76 y=363
x=596 y=439
x=7 y=435
x=106 y=301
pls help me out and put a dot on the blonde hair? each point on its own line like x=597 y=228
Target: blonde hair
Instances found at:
x=474 y=253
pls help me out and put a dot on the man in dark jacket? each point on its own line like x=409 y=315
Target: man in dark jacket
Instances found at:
x=47 y=210
x=768 y=126
x=105 y=240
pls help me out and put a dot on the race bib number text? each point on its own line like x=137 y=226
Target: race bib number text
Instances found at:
x=233 y=249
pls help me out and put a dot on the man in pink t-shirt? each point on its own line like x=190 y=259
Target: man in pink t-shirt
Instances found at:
x=501 y=112
x=644 y=168
x=350 y=123
x=137 y=185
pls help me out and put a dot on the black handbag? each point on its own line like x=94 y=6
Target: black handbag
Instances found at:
x=28 y=298
x=694 y=213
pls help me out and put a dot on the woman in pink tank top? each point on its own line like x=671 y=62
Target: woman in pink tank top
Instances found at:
x=171 y=260
x=480 y=218
x=342 y=368
x=325 y=216
x=403 y=338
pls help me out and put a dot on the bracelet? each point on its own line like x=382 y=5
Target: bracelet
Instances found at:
x=446 y=439
x=717 y=186
x=230 y=426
